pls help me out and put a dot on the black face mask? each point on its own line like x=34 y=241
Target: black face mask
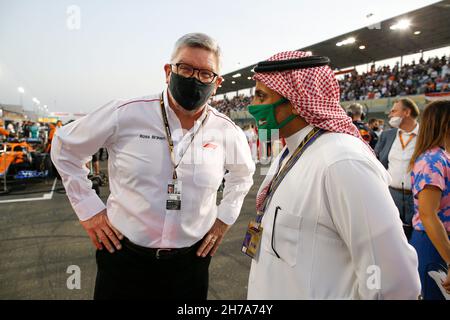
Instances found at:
x=190 y=93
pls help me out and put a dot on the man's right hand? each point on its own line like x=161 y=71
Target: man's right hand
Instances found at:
x=102 y=233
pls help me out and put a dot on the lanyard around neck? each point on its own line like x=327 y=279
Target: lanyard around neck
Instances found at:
x=404 y=145
x=170 y=140
x=276 y=181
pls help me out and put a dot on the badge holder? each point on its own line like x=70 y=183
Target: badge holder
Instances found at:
x=252 y=239
x=173 y=201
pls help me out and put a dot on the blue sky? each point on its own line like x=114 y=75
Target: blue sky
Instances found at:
x=120 y=47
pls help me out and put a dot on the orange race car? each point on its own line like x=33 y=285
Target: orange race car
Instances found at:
x=21 y=160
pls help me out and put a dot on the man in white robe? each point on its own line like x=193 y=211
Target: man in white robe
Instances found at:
x=330 y=229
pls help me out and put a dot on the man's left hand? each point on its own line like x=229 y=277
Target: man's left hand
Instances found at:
x=213 y=239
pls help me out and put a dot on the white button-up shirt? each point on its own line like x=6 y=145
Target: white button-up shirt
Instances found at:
x=337 y=231
x=140 y=170
x=399 y=159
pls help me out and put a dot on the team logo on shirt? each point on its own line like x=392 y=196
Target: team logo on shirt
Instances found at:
x=210 y=145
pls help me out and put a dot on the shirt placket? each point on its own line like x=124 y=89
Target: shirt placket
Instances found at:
x=181 y=144
x=170 y=217
x=405 y=161
x=402 y=166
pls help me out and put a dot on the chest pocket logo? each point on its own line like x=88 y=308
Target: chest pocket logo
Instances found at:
x=209 y=167
x=210 y=145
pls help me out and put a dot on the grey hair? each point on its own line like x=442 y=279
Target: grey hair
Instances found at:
x=198 y=40
x=356 y=109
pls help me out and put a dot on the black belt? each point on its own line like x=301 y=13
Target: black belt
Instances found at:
x=405 y=191
x=159 y=253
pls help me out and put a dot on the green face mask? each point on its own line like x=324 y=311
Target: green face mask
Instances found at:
x=264 y=115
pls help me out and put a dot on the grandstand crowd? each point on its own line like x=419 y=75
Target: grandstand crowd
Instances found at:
x=237 y=103
x=426 y=76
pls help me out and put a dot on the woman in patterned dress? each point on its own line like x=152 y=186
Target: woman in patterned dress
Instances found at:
x=430 y=179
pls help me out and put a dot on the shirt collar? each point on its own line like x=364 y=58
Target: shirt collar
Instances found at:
x=294 y=140
x=169 y=110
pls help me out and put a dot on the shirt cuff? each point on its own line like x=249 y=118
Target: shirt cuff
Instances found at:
x=89 y=207
x=227 y=214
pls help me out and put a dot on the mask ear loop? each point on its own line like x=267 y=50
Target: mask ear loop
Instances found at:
x=283 y=100
x=288 y=119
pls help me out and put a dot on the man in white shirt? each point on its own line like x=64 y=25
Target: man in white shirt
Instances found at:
x=11 y=128
x=168 y=154
x=326 y=226
x=252 y=139
x=395 y=149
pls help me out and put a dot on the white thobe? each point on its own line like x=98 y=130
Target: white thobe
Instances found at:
x=337 y=232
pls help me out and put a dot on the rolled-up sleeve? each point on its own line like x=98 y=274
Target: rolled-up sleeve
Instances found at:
x=368 y=221
x=238 y=179
x=73 y=146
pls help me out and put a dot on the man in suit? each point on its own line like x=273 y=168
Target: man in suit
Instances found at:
x=394 y=150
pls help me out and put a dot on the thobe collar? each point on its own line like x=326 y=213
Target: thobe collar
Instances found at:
x=294 y=140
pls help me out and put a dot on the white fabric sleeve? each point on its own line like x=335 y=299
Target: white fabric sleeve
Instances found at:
x=73 y=146
x=368 y=221
x=238 y=180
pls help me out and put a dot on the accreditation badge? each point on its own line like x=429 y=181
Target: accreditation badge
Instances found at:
x=173 y=195
x=252 y=239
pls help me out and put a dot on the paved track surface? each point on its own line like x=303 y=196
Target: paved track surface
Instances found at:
x=41 y=237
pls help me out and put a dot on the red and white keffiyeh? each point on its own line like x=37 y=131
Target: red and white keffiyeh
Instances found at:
x=314 y=92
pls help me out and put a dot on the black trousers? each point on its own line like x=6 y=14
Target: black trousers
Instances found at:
x=135 y=273
x=405 y=205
